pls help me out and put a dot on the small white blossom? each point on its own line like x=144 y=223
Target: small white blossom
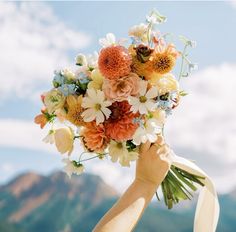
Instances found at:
x=192 y=67
x=156 y=18
x=119 y=151
x=50 y=137
x=81 y=60
x=147 y=132
x=72 y=167
x=109 y=40
x=96 y=106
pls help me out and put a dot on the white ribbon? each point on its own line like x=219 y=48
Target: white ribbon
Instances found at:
x=207 y=211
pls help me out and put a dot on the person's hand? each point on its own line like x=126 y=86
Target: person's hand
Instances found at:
x=152 y=165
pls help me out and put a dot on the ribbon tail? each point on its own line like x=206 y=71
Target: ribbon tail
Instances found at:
x=207 y=211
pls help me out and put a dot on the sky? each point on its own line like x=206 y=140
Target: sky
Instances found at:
x=37 y=38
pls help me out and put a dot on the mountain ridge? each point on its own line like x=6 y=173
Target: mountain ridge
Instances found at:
x=33 y=202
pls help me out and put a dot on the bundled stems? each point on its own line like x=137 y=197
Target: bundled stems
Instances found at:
x=177 y=186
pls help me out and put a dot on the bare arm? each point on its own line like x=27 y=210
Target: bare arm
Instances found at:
x=151 y=169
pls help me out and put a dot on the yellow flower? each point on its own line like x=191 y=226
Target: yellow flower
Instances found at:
x=97 y=80
x=162 y=62
x=54 y=100
x=74 y=109
x=142 y=69
x=166 y=84
x=64 y=140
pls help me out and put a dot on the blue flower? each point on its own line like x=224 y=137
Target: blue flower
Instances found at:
x=58 y=79
x=67 y=89
x=83 y=78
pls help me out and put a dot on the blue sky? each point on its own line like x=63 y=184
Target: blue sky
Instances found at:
x=36 y=37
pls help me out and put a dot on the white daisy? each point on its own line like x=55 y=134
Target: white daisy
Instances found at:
x=147 y=132
x=144 y=102
x=72 y=167
x=96 y=106
x=119 y=151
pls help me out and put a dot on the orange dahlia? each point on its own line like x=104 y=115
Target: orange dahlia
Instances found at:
x=94 y=137
x=114 y=62
x=120 y=125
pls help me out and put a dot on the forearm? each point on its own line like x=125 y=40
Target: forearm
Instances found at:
x=124 y=215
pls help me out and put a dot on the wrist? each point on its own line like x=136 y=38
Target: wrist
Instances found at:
x=146 y=185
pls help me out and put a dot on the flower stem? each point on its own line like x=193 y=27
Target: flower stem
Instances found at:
x=182 y=62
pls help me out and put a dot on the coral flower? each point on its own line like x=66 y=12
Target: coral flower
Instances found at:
x=122 y=88
x=114 y=62
x=121 y=126
x=41 y=119
x=74 y=110
x=94 y=137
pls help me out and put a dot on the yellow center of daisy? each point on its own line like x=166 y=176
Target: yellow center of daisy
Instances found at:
x=142 y=99
x=97 y=106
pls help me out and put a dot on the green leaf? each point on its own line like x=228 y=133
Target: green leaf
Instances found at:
x=183 y=93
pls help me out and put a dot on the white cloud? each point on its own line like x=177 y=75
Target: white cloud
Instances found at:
x=33 y=42
x=204 y=124
x=232 y=3
x=23 y=134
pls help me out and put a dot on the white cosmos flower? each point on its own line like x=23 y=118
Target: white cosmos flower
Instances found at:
x=72 y=167
x=96 y=106
x=109 y=40
x=147 y=132
x=119 y=151
x=50 y=137
x=144 y=101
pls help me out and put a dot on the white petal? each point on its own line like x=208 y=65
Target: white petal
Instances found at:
x=92 y=93
x=106 y=103
x=152 y=93
x=152 y=137
x=89 y=115
x=87 y=102
x=99 y=117
x=134 y=108
x=133 y=156
x=143 y=109
x=151 y=106
x=111 y=38
x=137 y=137
x=143 y=87
x=100 y=96
x=133 y=100
x=106 y=111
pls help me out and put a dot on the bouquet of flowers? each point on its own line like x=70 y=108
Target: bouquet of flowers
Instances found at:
x=119 y=98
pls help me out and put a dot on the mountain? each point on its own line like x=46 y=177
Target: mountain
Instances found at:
x=55 y=203
x=50 y=203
